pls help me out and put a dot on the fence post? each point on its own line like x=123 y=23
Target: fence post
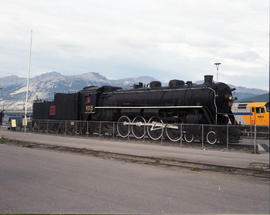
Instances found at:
x=113 y=129
x=145 y=134
x=128 y=132
x=87 y=129
x=182 y=135
x=161 y=139
x=202 y=136
x=76 y=127
x=254 y=140
x=227 y=136
x=250 y=129
x=99 y=132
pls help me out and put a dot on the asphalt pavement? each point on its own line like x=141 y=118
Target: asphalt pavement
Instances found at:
x=40 y=181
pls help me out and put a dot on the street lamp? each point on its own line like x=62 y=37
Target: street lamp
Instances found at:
x=217 y=65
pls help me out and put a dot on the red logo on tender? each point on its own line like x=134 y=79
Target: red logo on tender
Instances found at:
x=52 y=110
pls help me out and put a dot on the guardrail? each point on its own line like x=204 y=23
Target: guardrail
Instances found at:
x=155 y=130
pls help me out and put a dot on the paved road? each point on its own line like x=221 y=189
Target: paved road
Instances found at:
x=224 y=158
x=39 y=181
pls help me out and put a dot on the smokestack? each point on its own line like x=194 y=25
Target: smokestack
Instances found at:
x=208 y=80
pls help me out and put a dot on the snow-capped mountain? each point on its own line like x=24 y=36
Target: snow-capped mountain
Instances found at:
x=244 y=92
x=46 y=85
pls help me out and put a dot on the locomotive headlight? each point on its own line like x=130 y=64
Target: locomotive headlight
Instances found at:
x=230 y=103
x=229 y=97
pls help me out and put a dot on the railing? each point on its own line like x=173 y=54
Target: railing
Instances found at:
x=228 y=136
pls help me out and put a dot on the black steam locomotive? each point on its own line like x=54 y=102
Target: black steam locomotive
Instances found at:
x=150 y=109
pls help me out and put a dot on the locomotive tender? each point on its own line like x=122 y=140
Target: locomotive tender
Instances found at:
x=150 y=109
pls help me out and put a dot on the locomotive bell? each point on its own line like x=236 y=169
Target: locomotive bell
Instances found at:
x=208 y=80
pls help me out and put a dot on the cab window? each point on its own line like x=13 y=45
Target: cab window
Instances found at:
x=267 y=107
x=260 y=110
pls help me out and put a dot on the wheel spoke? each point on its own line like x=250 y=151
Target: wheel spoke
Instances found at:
x=123 y=129
x=189 y=137
x=155 y=128
x=138 y=127
x=211 y=137
x=173 y=132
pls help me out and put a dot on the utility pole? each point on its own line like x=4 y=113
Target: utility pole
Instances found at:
x=1 y=93
x=1 y=112
x=27 y=84
x=217 y=65
x=1 y=98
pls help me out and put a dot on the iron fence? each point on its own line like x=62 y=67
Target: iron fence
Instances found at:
x=202 y=135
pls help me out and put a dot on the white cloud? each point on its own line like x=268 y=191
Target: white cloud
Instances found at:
x=120 y=38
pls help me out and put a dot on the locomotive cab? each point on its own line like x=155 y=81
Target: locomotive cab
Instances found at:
x=92 y=98
x=88 y=97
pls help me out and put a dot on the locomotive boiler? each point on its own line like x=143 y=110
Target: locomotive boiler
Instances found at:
x=147 y=110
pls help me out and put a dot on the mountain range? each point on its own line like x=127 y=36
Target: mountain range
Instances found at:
x=46 y=85
x=259 y=98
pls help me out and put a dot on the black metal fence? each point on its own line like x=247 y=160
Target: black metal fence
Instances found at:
x=156 y=130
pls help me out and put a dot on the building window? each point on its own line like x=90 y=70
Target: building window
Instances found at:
x=242 y=106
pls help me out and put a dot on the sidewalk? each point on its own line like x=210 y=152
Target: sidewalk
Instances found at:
x=214 y=157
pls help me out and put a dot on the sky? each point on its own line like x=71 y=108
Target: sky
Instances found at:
x=165 y=39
